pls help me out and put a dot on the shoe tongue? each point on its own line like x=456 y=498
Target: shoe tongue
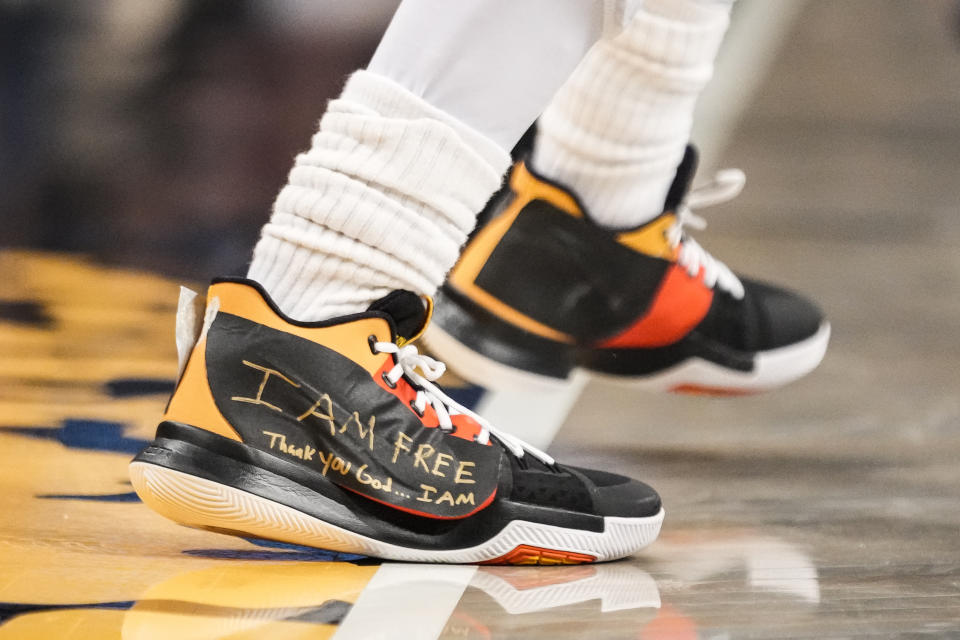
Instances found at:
x=681 y=182
x=408 y=311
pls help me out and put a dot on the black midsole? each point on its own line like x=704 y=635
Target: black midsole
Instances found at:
x=200 y=453
x=648 y=362
x=488 y=335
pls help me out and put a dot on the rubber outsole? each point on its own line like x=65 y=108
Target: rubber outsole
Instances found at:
x=772 y=369
x=200 y=503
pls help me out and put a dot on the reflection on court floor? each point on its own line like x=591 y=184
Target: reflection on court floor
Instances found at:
x=87 y=361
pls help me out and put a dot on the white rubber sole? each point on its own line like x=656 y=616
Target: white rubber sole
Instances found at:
x=197 y=502
x=772 y=369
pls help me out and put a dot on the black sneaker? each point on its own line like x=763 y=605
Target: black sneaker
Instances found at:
x=331 y=434
x=541 y=289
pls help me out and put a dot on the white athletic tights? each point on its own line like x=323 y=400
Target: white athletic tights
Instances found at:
x=496 y=64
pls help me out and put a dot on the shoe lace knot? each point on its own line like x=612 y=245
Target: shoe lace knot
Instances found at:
x=421 y=370
x=726 y=185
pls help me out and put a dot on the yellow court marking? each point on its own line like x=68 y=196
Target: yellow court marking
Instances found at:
x=79 y=558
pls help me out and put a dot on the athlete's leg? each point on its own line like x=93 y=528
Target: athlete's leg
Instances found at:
x=249 y=443
x=527 y=50
x=617 y=130
x=413 y=147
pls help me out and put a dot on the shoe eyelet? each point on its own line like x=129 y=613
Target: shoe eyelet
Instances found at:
x=392 y=385
x=372 y=343
x=417 y=411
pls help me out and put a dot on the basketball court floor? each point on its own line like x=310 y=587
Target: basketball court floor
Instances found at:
x=829 y=509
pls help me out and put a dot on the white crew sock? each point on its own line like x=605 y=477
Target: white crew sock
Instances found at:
x=408 y=154
x=616 y=131
x=382 y=200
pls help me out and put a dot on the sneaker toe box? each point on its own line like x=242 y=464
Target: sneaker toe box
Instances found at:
x=619 y=496
x=783 y=316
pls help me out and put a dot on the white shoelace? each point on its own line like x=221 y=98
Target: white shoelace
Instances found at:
x=408 y=361
x=726 y=185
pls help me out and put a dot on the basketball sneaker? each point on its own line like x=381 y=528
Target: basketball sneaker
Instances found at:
x=332 y=434
x=541 y=289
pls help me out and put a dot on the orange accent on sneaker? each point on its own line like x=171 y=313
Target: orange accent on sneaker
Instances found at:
x=529 y=187
x=466 y=427
x=405 y=393
x=680 y=304
x=720 y=392
x=651 y=239
x=192 y=402
x=526 y=554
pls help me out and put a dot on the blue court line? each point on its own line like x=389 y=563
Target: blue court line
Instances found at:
x=130 y=496
x=96 y=435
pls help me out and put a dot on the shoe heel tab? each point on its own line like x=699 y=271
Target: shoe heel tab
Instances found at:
x=191 y=313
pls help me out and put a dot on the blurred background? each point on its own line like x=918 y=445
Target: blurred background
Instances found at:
x=156 y=133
